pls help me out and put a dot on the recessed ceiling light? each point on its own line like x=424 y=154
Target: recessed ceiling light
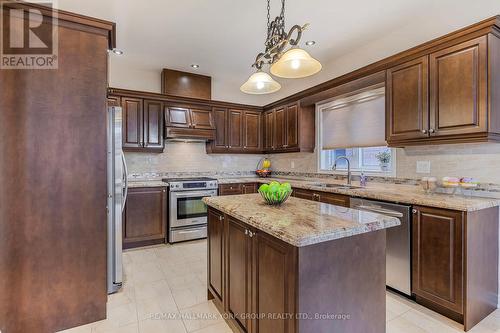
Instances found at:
x=310 y=43
x=195 y=66
x=117 y=51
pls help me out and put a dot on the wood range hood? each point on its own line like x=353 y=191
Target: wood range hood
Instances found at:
x=187 y=122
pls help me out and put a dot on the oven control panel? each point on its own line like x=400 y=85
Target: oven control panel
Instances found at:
x=193 y=185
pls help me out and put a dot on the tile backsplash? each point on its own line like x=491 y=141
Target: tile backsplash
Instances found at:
x=186 y=157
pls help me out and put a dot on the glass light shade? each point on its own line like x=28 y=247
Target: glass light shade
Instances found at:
x=260 y=83
x=294 y=64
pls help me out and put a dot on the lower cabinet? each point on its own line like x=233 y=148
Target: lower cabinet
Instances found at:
x=438 y=257
x=145 y=216
x=250 y=272
x=216 y=253
x=455 y=262
x=241 y=188
x=326 y=197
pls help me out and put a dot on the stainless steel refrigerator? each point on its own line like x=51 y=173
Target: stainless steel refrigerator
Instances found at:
x=117 y=195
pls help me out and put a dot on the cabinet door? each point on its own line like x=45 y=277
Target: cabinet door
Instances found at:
x=438 y=257
x=221 y=129
x=407 y=110
x=230 y=189
x=458 y=85
x=279 y=128
x=153 y=125
x=132 y=115
x=269 y=130
x=252 y=131
x=292 y=126
x=216 y=253
x=334 y=199
x=201 y=119
x=249 y=188
x=304 y=194
x=235 y=130
x=178 y=117
x=144 y=216
x=238 y=270
x=274 y=283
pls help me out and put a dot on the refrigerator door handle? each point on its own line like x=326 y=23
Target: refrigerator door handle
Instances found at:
x=125 y=176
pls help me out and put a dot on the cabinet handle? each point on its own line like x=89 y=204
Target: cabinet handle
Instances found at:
x=246 y=231
x=221 y=218
x=251 y=234
x=244 y=147
x=414 y=211
x=424 y=131
x=431 y=130
x=229 y=147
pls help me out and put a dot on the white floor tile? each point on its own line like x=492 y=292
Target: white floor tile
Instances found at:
x=165 y=290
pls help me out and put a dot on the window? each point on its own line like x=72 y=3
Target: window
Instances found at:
x=353 y=126
x=362 y=159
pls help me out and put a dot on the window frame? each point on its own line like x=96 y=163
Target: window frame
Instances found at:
x=343 y=171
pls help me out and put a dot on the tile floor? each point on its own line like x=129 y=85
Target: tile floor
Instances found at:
x=165 y=291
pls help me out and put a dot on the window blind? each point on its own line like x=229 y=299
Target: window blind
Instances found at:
x=354 y=121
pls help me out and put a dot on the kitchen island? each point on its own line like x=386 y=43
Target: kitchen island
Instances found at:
x=302 y=267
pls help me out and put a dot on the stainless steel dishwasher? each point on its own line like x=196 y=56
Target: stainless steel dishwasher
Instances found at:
x=398 y=254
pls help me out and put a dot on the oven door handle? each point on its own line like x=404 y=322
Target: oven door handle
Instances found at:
x=379 y=210
x=193 y=194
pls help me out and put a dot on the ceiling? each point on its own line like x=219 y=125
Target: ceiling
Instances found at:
x=224 y=36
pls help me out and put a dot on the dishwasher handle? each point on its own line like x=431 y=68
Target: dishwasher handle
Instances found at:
x=379 y=210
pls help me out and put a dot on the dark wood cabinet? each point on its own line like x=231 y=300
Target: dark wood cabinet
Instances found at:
x=445 y=96
x=455 y=262
x=189 y=117
x=177 y=117
x=289 y=128
x=274 y=283
x=458 y=89
x=252 y=131
x=240 y=188
x=237 y=131
x=201 y=119
x=438 y=257
x=249 y=188
x=145 y=216
x=132 y=123
x=235 y=121
x=238 y=272
x=142 y=124
x=216 y=254
x=153 y=125
x=220 y=143
x=407 y=98
x=268 y=131
x=326 y=197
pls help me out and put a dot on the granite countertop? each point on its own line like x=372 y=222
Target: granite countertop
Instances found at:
x=407 y=194
x=301 y=222
x=146 y=183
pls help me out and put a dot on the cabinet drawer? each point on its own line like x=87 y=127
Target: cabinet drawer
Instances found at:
x=230 y=189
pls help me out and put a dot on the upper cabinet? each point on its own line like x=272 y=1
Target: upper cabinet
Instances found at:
x=237 y=131
x=189 y=122
x=142 y=125
x=289 y=128
x=446 y=96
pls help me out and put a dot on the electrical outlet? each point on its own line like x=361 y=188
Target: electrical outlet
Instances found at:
x=292 y=164
x=423 y=166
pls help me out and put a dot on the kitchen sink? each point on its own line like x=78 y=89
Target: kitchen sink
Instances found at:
x=339 y=186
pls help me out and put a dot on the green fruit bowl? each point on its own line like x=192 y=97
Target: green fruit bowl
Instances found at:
x=275 y=198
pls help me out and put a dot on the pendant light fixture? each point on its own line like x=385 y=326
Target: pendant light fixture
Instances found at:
x=294 y=63
x=260 y=83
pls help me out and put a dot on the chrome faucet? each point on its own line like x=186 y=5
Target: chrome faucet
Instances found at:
x=334 y=167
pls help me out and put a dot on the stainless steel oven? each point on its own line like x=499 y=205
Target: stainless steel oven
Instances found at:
x=187 y=211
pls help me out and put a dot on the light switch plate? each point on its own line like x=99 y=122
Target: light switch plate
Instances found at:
x=423 y=166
